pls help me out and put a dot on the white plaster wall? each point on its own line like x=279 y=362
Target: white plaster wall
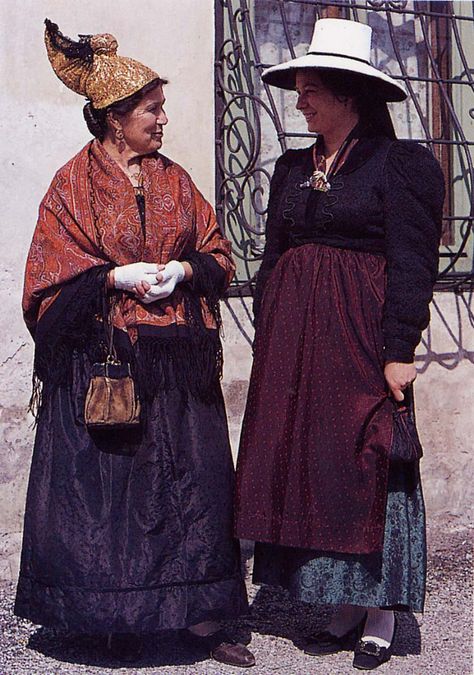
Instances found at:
x=41 y=128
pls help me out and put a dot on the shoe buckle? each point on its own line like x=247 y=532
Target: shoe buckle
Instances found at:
x=370 y=648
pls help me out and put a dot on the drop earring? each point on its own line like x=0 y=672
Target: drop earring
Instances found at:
x=121 y=142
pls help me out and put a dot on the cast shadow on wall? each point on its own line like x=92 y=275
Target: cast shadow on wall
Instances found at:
x=448 y=340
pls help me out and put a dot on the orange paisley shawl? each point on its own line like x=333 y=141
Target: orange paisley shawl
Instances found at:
x=89 y=217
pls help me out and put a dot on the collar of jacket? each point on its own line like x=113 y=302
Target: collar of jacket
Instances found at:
x=367 y=144
x=296 y=198
x=365 y=148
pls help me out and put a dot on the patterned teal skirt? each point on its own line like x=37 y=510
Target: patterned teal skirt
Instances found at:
x=394 y=578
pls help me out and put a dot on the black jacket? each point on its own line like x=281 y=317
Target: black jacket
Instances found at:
x=387 y=198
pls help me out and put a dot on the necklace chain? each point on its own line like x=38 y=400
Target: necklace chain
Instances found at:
x=319 y=179
x=136 y=179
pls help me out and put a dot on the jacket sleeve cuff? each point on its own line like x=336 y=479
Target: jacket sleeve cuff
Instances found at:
x=398 y=351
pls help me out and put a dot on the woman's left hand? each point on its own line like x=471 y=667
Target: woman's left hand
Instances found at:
x=399 y=376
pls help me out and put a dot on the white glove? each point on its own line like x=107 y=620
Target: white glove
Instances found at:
x=127 y=276
x=172 y=274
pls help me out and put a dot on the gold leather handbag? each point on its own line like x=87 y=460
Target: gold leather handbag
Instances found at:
x=111 y=399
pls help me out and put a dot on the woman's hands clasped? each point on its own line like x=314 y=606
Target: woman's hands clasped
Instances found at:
x=168 y=277
x=128 y=277
x=399 y=376
x=148 y=281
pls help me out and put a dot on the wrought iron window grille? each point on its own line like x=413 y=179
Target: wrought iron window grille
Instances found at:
x=424 y=44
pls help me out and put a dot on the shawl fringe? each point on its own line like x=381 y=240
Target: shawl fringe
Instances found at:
x=190 y=364
x=67 y=328
x=74 y=328
x=205 y=285
x=193 y=365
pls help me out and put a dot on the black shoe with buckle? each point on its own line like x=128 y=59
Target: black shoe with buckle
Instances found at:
x=368 y=655
x=224 y=649
x=325 y=643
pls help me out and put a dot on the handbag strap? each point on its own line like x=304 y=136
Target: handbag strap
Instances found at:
x=109 y=325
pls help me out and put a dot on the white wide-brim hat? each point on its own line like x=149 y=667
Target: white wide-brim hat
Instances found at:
x=338 y=44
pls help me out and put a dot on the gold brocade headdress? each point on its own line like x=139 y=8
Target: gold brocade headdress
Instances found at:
x=92 y=68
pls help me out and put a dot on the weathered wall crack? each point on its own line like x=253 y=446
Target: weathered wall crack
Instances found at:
x=12 y=356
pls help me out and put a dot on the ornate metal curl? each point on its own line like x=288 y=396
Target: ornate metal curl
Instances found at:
x=245 y=107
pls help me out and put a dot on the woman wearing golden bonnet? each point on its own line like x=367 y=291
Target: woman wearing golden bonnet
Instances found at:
x=128 y=531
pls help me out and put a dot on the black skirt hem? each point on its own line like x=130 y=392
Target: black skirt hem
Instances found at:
x=146 y=610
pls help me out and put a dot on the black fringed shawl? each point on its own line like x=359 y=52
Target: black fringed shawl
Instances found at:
x=188 y=357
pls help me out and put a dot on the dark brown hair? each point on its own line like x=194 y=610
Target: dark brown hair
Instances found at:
x=372 y=108
x=96 y=119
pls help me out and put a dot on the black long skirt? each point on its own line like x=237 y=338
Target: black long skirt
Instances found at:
x=130 y=532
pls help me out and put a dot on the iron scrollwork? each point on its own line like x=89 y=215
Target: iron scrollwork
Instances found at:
x=251 y=128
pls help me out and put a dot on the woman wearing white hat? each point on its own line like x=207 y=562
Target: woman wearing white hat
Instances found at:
x=330 y=489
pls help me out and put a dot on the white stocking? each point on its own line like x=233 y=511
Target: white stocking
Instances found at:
x=379 y=626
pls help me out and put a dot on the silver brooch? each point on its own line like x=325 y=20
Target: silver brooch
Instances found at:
x=317 y=181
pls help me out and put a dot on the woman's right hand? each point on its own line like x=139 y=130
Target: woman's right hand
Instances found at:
x=399 y=376
x=135 y=277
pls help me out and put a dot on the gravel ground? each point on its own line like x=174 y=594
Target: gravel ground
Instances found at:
x=439 y=643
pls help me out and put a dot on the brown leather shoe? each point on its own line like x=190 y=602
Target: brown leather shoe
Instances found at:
x=225 y=649
x=233 y=654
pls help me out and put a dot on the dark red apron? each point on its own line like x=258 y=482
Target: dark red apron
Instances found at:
x=313 y=462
